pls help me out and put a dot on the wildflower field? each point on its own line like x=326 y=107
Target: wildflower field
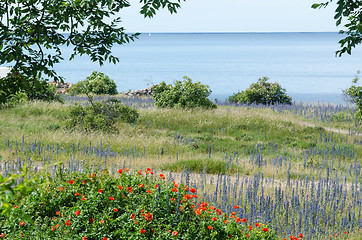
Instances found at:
x=235 y=172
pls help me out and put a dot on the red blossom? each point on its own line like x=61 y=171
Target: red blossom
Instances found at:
x=71 y=181
x=22 y=223
x=209 y=227
x=148 y=216
x=77 y=213
x=142 y=231
x=111 y=198
x=100 y=190
x=162 y=176
x=174 y=233
x=68 y=223
x=219 y=212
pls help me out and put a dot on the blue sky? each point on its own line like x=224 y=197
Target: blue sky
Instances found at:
x=234 y=16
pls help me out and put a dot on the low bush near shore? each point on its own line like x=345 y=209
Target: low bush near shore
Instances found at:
x=262 y=92
x=96 y=83
x=184 y=94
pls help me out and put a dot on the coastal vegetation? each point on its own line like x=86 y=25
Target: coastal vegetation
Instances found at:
x=262 y=92
x=96 y=83
x=176 y=166
x=294 y=168
x=354 y=95
x=183 y=94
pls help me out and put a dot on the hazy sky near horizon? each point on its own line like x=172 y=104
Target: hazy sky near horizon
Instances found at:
x=234 y=16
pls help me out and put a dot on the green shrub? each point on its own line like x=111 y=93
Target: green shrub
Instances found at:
x=100 y=116
x=16 y=89
x=134 y=205
x=354 y=95
x=262 y=92
x=96 y=83
x=184 y=94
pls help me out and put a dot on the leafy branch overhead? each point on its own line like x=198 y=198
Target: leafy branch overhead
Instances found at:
x=350 y=13
x=32 y=32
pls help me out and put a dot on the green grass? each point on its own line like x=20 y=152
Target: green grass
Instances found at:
x=166 y=136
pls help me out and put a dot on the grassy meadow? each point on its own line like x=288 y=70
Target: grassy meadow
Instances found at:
x=296 y=169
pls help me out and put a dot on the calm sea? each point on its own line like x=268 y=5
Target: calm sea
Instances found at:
x=303 y=63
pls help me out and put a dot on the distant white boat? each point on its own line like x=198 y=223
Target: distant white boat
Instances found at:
x=149 y=34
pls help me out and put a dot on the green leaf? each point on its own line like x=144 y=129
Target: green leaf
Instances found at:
x=316 y=5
